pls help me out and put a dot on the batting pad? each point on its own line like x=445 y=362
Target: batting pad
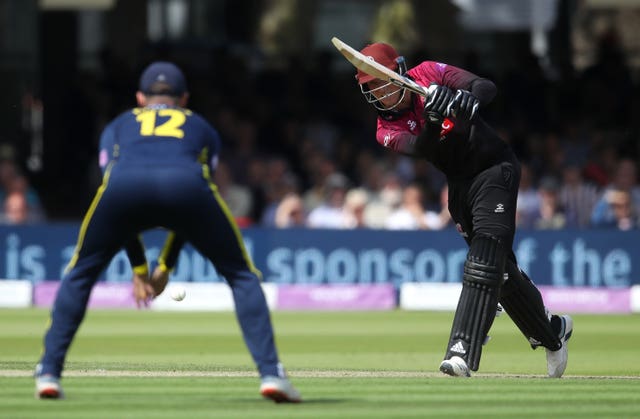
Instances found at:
x=483 y=272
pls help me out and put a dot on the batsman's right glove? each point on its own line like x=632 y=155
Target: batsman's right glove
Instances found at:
x=438 y=104
x=465 y=105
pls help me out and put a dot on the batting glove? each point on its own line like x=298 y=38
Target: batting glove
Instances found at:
x=439 y=101
x=465 y=105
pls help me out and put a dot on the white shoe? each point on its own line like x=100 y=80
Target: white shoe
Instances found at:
x=279 y=389
x=557 y=360
x=48 y=387
x=455 y=367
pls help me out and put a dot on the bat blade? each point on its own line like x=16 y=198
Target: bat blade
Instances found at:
x=369 y=66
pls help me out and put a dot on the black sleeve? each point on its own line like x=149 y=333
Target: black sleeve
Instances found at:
x=135 y=253
x=484 y=89
x=170 y=252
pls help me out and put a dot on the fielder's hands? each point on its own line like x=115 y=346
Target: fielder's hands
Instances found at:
x=159 y=279
x=142 y=290
x=146 y=289
x=464 y=105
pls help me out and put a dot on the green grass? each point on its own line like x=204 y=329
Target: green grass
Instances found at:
x=346 y=364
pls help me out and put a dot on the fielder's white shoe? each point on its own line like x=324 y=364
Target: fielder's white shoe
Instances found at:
x=455 y=367
x=48 y=387
x=279 y=389
x=557 y=360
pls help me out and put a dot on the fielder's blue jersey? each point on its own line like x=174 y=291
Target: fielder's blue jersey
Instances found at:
x=157 y=144
x=159 y=136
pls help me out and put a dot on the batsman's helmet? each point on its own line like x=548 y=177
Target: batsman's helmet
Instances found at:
x=386 y=55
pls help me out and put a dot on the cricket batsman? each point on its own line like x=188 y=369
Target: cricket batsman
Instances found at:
x=483 y=176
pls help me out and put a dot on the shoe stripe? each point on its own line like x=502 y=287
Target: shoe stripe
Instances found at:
x=568 y=336
x=277 y=395
x=49 y=393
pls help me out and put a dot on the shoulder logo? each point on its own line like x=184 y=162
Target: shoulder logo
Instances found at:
x=412 y=124
x=386 y=140
x=499 y=209
x=103 y=158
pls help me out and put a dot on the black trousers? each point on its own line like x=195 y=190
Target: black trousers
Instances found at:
x=486 y=204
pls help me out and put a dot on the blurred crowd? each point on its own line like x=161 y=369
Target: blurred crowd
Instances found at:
x=20 y=201
x=299 y=146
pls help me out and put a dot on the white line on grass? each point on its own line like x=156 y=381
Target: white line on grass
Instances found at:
x=297 y=373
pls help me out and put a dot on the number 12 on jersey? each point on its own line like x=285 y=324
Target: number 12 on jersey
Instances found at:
x=172 y=127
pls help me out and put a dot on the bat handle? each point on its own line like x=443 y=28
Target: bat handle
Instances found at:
x=429 y=90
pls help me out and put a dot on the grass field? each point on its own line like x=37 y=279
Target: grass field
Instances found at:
x=128 y=364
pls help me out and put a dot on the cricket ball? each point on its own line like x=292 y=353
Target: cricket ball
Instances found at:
x=178 y=292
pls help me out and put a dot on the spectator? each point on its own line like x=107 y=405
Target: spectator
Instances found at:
x=577 y=197
x=16 y=210
x=412 y=215
x=355 y=208
x=20 y=202
x=290 y=212
x=275 y=192
x=551 y=215
x=624 y=214
x=384 y=201
x=278 y=182
x=624 y=179
x=12 y=180
x=330 y=213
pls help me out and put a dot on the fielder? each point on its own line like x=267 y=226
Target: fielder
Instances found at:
x=483 y=175
x=158 y=160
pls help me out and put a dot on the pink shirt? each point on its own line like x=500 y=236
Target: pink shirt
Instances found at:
x=394 y=134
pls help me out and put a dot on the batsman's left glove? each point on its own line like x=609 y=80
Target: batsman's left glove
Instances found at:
x=465 y=105
x=439 y=100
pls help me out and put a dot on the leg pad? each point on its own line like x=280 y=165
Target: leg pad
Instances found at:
x=483 y=275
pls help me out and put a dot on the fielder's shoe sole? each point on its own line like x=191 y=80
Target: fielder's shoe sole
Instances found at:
x=48 y=387
x=557 y=360
x=279 y=389
x=455 y=367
